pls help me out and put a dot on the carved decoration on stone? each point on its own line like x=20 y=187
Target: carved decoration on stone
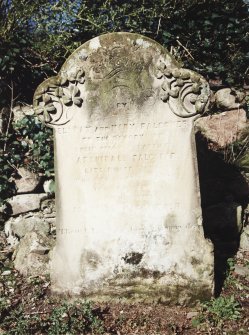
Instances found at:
x=189 y=88
x=55 y=94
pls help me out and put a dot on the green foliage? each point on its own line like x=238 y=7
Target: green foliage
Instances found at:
x=29 y=143
x=20 y=325
x=74 y=318
x=35 y=140
x=223 y=308
x=35 y=38
x=68 y=318
x=4 y=306
x=230 y=264
x=209 y=36
x=231 y=280
x=216 y=311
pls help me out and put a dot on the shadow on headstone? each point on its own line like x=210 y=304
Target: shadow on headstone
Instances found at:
x=224 y=196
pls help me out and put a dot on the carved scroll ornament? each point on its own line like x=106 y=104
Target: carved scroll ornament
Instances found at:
x=55 y=94
x=187 y=87
x=54 y=97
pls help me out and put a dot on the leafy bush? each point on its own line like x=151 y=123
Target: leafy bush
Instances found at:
x=68 y=318
x=36 y=142
x=209 y=36
x=74 y=318
x=35 y=38
x=29 y=143
x=216 y=311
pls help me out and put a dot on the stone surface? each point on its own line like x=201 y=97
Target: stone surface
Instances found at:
x=228 y=99
x=49 y=213
x=49 y=186
x=224 y=128
x=23 y=203
x=191 y=315
x=241 y=270
x=27 y=182
x=18 y=227
x=129 y=222
x=48 y=206
x=3 y=214
x=31 y=256
x=244 y=239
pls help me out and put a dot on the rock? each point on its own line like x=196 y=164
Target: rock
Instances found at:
x=11 y=238
x=240 y=254
x=18 y=227
x=224 y=128
x=3 y=214
x=23 y=203
x=6 y=273
x=28 y=181
x=191 y=315
x=48 y=207
x=31 y=257
x=3 y=241
x=227 y=99
x=49 y=186
x=244 y=239
x=49 y=213
x=6 y=250
x=241 y=270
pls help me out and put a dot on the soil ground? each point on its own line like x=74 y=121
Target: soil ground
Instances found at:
x=27 y=307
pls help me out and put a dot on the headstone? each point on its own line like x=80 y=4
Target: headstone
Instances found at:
x=129 y=221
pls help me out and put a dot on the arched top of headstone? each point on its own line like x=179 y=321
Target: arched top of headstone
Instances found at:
x=115 y=72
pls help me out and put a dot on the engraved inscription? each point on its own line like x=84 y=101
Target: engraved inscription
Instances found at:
x=102 y=149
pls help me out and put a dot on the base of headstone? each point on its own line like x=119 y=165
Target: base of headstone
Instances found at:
x=153 y=288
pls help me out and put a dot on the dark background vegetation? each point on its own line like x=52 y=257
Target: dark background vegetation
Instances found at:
x=36 y=36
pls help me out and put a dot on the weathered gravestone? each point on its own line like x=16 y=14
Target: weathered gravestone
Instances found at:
x=129 y=221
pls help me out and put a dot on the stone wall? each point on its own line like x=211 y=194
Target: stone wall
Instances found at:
x=28 y=223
